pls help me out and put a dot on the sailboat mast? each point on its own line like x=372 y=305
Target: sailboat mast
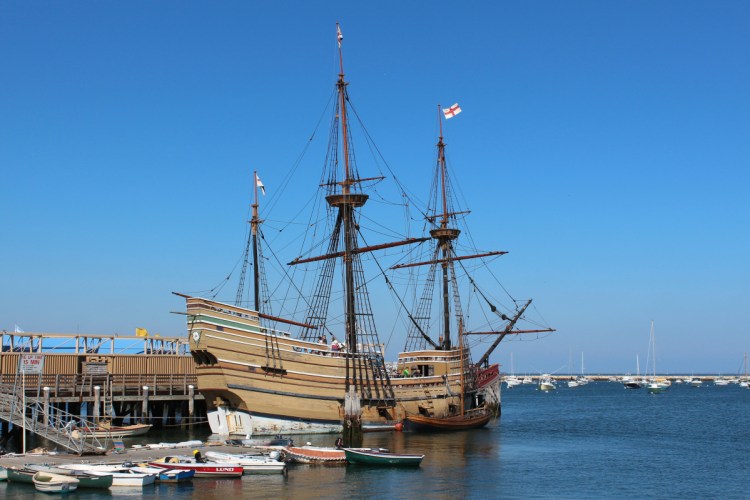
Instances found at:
x=653 y=347
x=254 y=223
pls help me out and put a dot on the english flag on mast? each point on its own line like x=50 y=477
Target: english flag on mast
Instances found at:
x=260 y=185
x=452 y=111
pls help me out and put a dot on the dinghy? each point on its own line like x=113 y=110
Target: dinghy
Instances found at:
x=377 y=457
x=54 y=483
x=85 y=479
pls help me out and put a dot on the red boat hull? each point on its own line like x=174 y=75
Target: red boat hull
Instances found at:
x=204 y=470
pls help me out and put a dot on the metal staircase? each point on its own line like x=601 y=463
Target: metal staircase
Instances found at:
x=58 y=428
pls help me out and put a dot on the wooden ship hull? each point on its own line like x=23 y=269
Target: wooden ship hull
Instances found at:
x=291 y=386
x=421 y=423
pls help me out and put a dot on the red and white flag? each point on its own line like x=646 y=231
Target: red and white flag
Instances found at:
x=452 y=111
x=339 y=36
x=260 y=185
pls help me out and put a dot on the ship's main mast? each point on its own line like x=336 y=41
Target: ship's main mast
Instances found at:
x=254 y=223
x=346 y=202
x=365 y=367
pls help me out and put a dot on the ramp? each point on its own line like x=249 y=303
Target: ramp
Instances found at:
x=57 y=428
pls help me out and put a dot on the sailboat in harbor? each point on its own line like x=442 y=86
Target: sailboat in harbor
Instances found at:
x=745 y=380
x=572 y=381
x=631 y=382
x=654 y=386
x=583 y=379
x=263 y=373
x=511 y=380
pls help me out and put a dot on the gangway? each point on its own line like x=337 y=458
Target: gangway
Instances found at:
x=57 y=427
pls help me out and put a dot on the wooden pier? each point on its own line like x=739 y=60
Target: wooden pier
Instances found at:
x=118 y=378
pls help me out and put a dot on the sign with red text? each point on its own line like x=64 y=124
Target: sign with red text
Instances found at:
x=31 y=363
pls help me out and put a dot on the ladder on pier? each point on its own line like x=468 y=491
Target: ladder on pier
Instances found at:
x=58 y=427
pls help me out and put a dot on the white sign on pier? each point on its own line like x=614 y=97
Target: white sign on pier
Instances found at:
x=31 y=363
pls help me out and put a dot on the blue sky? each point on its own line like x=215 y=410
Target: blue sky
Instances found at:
x=603 y=144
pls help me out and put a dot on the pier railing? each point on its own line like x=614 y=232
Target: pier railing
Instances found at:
x=78 y=387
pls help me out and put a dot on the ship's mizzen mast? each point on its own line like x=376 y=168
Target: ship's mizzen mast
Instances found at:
x=445 y=236
x=444 y=256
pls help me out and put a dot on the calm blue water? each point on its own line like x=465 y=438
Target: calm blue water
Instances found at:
x=594 y=441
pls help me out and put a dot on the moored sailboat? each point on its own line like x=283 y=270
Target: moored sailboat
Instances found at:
x=744 y=381
x=654 y=386
x=511 y=380
x=630 y=382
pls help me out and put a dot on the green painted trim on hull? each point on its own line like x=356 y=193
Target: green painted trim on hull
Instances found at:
x=233 y=324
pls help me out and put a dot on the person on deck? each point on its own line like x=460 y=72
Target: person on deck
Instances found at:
x=406 y=372
x=198 y=457
x=324 y=341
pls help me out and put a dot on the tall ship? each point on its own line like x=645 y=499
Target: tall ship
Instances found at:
x=264 y=372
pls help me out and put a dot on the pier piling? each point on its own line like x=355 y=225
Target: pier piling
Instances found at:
x=97 y=403
x=144 y=405
x=46 y=406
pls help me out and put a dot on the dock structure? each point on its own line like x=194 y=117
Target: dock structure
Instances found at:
x=87 y=377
